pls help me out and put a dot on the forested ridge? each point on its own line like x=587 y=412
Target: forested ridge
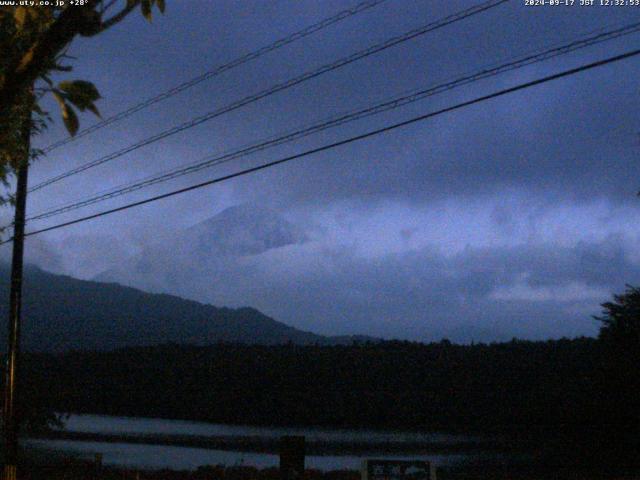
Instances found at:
x=63 y=313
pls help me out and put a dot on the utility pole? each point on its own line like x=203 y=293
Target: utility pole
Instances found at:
x=11 y=420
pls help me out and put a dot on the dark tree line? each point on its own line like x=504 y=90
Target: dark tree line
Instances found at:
x=439 y=386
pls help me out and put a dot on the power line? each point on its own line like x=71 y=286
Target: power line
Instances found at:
x=279 y=87
x=305 y=32
x=207 y=162
x=349 y=140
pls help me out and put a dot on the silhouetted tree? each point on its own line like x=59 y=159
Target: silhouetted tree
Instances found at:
x=621 y=321
x=33 y=43
x=619 y=405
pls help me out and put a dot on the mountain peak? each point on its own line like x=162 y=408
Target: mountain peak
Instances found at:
x=244 y=229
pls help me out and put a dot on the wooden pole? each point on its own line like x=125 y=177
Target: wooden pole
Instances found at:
x=292 y=453
x=11 y=420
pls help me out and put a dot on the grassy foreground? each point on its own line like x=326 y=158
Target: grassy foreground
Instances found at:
x=70 y=469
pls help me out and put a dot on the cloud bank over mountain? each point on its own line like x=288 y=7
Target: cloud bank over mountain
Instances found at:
x=518 y=283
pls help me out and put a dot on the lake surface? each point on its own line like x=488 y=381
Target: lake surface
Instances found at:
x=137 y=425
x=188 y=458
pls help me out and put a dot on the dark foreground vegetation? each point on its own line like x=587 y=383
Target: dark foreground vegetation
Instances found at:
x=76 y=470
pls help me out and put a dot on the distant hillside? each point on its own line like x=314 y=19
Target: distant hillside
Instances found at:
x=63 y=313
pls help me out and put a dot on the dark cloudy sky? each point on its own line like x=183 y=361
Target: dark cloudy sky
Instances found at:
x=514 y=217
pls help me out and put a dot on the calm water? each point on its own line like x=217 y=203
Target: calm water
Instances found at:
x=186 y=458
x=133 y=425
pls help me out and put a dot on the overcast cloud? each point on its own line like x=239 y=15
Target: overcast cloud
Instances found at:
x=515 y=217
